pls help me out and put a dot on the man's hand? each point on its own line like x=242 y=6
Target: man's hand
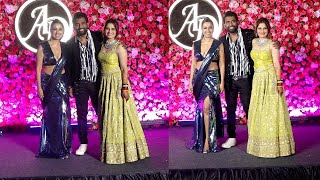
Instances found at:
x=70 y=91
x=276 y=44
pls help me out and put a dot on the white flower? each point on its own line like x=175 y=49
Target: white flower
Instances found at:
x=317 y=13
x=284 y=32
x=254 y=8
x=84 y=5
x=233 y=4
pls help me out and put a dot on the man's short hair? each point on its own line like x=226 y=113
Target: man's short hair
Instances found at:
x=230 y=14
x=79 y=15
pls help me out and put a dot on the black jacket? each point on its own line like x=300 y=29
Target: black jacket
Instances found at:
x=74 y=61
x=248 y=36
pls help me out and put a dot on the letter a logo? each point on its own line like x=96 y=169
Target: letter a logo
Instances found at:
x=185 y=20
x=33 y=20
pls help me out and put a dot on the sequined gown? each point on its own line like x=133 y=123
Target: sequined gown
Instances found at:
x=122 y=137
x=209 y=88
x=55 y=138
x=269 y=127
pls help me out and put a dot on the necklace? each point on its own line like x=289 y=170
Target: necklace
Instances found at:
x=109 y=45
x=262 y=42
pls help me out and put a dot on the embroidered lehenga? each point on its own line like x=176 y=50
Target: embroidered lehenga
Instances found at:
x=122 y=137
x=206 y=83
x=56 y=134
x=269 y=127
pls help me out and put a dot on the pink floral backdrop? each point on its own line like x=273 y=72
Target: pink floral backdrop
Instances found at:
x=295 y=25
x=143 y=28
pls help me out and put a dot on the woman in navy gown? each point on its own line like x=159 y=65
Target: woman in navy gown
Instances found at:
x=206 y=83
x=52 y=83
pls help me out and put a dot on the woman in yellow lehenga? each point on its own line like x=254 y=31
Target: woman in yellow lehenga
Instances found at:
x=121 y=134
x=269 y=127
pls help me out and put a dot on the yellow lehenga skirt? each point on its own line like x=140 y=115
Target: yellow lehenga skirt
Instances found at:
x=269 y=126
x=122 y=137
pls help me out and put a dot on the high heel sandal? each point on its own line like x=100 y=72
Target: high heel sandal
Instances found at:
x=205 y=151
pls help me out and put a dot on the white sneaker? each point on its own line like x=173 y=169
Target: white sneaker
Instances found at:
x=229 y=143
x=81 y=150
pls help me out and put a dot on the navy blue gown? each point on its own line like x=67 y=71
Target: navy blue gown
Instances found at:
x=55 y=138
x=206 y=83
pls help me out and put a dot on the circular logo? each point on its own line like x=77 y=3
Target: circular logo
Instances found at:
x=33 y=20
x=185 y=20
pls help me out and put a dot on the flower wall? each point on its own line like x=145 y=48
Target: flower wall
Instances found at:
x=295 y=24
x=143 y=28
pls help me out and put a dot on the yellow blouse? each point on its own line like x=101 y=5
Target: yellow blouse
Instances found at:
x=261 y=56
x=109 y=60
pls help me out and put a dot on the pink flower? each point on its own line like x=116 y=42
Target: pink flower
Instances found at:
x=130 y=17
x=159 y=18
x=6 y=43
x=10 y=8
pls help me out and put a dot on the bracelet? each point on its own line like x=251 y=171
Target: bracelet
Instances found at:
x=124 y=88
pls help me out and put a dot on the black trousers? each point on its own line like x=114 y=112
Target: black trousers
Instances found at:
x=235 y=87
x=84 y=90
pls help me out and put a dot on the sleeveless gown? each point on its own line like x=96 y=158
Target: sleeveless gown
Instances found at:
x=55 y=137
x=121 y=134
x=210 y=88
x=269 y=127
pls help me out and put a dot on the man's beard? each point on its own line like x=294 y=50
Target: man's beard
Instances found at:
x=234 y=30
x=81 y=33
